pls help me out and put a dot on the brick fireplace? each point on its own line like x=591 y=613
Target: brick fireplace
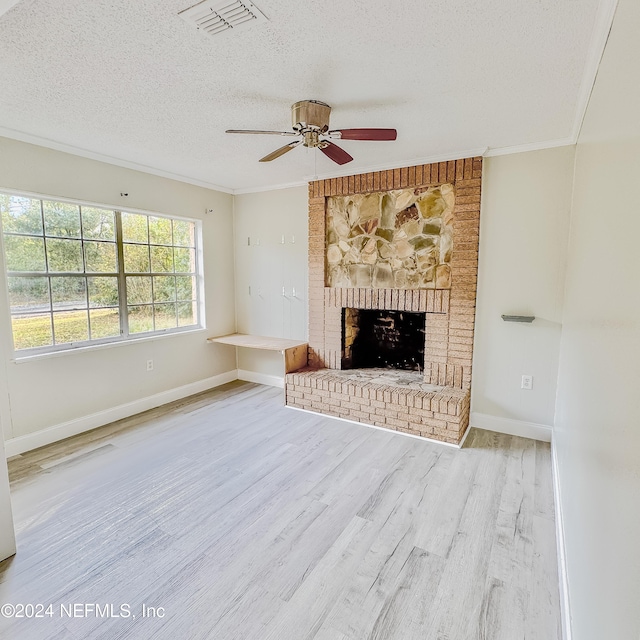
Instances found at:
x=391 y=254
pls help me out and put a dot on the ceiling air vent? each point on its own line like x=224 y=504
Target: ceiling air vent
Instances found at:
x=215 y=16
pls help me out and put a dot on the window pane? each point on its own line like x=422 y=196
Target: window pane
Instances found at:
x=103 y=292
x=187 y=314
x=61 y=219
x=70 y=326
x=24 y=253
x=165 y=316
x=140 y=319
x=100 y=257
x=21 y=215
x=164 y=289
x=30 y=331
x=159 y=230
x=138 y=290
x=28 y=294
x=64 y=255
x=68 y=293
x=136 y=258
x=186 y=287
x=134 y=228
x=105 y=323
x=98 y=224
x=53 y=308
x=162 y=259
x=185 y=260
x=183 y=233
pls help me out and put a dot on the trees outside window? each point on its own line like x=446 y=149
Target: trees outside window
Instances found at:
x=80 y=274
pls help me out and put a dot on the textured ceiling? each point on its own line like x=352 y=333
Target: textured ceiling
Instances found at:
x=132 y=81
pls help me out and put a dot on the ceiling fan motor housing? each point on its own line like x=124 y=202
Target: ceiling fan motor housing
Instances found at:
x=310 y=114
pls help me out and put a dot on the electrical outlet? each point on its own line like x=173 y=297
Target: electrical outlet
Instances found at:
x=149 y=365
x=527 y=382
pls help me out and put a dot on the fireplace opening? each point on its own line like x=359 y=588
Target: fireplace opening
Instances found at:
x=385 y=339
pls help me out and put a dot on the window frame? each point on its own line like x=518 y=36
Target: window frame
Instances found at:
x=121 y=276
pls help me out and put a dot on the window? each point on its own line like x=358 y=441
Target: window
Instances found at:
x=82 y=274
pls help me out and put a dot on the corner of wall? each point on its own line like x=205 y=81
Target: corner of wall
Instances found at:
x=563 y=577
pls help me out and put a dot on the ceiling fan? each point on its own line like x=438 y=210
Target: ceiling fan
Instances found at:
x=310 y=121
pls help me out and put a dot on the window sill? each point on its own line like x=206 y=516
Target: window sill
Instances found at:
x=105 y=345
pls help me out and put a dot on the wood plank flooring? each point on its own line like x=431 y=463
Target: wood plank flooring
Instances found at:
x=245 y=520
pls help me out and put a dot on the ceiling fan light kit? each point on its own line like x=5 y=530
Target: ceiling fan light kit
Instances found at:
x=310 y=122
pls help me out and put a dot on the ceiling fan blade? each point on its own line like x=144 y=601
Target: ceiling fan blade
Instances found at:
x=366 y=134
x=335 y=153
x=271 y=133
x=280 y=152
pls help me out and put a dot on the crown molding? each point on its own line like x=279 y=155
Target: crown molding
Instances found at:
x=484 y=152
x=274 y=187
x=529 y=146
x=599 y=37
x=401 y=164
x=398 y=164
x=100 y=157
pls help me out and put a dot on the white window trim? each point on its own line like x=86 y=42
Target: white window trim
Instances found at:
x=25 y=355
x=84 y=348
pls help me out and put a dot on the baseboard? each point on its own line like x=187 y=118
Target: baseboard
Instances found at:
x=30 y=441
x=565 y=609
x=512 y=427
x=260 y=378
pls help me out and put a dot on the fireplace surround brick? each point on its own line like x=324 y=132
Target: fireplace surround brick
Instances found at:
x=443 y=412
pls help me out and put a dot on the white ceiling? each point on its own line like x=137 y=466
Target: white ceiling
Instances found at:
x=130 y=81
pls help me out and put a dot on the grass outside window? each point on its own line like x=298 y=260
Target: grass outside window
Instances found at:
x=82 y=274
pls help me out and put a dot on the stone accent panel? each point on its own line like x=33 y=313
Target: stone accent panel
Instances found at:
x=450 y=309
x=401 y=238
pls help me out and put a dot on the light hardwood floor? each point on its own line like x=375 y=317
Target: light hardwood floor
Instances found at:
x=247 y=520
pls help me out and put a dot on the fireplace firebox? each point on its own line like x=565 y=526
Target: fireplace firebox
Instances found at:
x=383 y=338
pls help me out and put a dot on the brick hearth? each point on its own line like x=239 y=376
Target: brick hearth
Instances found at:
x=435 y=405
x=411 y=407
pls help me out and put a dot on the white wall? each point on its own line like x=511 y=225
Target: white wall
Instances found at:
x=7 y=534
x=262 y=270
x=524 y=226
x=48 y=391
x=597 y=431
x=523 y=239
